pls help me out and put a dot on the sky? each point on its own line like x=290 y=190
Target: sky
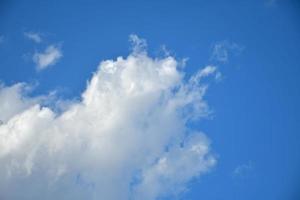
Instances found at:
x=150 y=100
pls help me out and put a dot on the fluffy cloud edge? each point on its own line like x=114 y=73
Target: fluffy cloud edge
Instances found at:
x=126 y=139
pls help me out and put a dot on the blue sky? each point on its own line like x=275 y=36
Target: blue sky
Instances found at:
x=254 y=127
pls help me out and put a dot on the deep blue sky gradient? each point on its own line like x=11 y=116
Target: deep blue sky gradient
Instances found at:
x=256 y=118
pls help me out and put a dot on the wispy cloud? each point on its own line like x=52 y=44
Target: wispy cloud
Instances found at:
x=47 y=58
x=139 y=45
x=127 y=138
x=206 y=72
x=33 y=36
x=221 y=51
x=243 y=169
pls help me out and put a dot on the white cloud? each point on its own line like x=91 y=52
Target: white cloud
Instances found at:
x=126 y=139
x=33 y=36
x=222 y=50
x=47 y=58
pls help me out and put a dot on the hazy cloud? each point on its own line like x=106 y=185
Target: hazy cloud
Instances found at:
x=221 y=51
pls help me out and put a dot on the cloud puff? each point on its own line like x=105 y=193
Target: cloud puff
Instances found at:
x=33 y=36
x=222 y=50
x=127 y=138
x=47 y=58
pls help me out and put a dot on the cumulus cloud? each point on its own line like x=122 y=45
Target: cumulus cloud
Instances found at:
x=33 y=36
x=127 y=138
x=222 y=50
x=47 y=58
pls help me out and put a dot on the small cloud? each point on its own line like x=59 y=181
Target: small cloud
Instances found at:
x=33 y=36
x=222 y=50
x=243 y=169
x=47 y=58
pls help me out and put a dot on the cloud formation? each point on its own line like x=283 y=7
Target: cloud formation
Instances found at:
x=33 y=36
x=222 y=50
x=47 y=58
x=127 y=138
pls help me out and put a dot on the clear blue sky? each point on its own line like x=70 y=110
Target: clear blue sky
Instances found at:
x=255 y=128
